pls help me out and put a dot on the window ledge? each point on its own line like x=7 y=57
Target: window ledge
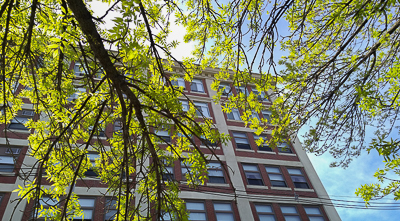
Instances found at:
x=238 y=121
x=280 y=188
x=218 y=184
x=19 y=131
x=266 y=152
x=303 y=190
x=7 y=174
x=257 y=187
x=212 y=147
x=245 y=150
x=287 y=154
x=196 y=92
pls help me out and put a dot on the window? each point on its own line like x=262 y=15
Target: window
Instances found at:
x=90 y=172
x=290 y=213
x=196 y=210
x=314 y=214
x=165 y=216
x=8 y=155
x=78 y=69
x=252 y=175
x=185 y=169
x=99 y=131
x=87 y=206
x=168 y=174
x=99 y=73
x=179 y=82
x=46 y=202
x=241 y=140
x=223 y=211
x=255 y=115
x=110 y=209
x=215 y=173
x=118 y=126
x=263 y=146
x=75 y=95
x=298 y=178
x=163 y=135
x=284 y=148
x=242 y=89
x=234 y=114
x=265 y=212
x=205 y=141
x=227 y=91
x=202 y=109
x=185 y=105
x=266 y=115
x=275 y=176
x=22 y=117
x=260 y=95
x=197 y=86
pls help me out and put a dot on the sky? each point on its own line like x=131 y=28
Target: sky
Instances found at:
x=340 y=183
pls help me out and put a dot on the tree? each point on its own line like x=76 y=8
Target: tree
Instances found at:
x=340 y=75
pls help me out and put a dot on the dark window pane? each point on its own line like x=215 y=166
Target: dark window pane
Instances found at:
x=278 y=183
x=216 y=179
x=301 y=185
x=243 y=146
x=255 y=182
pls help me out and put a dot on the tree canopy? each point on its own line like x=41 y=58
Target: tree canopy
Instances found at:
x=340 y=76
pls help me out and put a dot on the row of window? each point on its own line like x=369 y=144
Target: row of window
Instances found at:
x=215 y=172
x=275 y=176
x=8 y=157
x=197 y=85
x=223 y=211
x=242 y=142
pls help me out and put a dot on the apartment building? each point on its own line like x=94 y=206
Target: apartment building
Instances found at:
x=253 y=182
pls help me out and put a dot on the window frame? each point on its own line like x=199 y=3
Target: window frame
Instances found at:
x=227 y=92
x=158 y=132
x=216 y=212
x=231 y=115
x=87 y=208
x=185 y=105
x=310 y=216
x=10 y=156
x=199 y=109
x=17 y=123
x=264 y=213
x=197 y=211
x=242 y=89
x=286 y=146
x=260 y=95
x=179 y=82
x=169 y=175
x=81 y=68
x=266 y=115
x=276 y=173
x=238 y=144
x=110 y=207
x=194 y=85
x=263 y=145
x=46 y=205
x=90 y=173
x=297 y=214
x=246 y=171
x=298 y=175
x=220 y=168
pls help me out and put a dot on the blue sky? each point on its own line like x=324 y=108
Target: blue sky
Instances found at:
x=340 y=183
